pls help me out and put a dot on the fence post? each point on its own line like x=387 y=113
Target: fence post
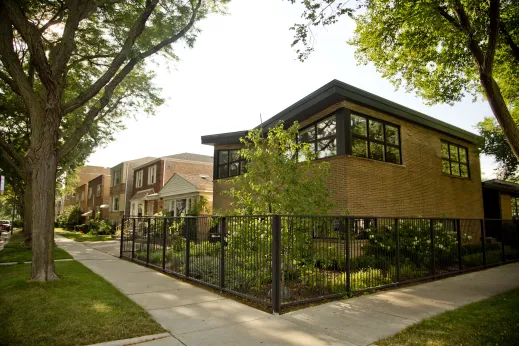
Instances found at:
x=348 y=257
x=276 y=264
x=148 y=242
x=122 y=238
x=503 y=259
x=458 y=240
x=222 y=225
x=164 y=230
x=397 y=234
x=188 y=245
x=483 y=241
x=433 y=257
x=133 y=240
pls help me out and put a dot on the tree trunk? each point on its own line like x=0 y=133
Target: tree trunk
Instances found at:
x=27 y=211
x=43 y=170
x=501 y=112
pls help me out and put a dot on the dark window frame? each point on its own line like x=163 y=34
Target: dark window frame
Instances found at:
x=241 y=162
x=451 y=161
x=369 y=140
x=316 y=139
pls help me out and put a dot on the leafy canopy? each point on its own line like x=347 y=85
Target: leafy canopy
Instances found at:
x=275 y=181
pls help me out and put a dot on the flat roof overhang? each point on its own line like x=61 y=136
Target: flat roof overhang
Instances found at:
x=337 y=91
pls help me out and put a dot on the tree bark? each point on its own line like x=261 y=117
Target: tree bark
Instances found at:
x=43 y=167
x=501 y=112
x=27 y=211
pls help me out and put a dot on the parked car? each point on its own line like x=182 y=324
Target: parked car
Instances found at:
x=5 y=226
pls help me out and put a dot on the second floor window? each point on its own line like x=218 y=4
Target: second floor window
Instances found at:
x=454 y=160
x=89 y=192
x=115 y=204
x=82 y=195
x=374 y=139
x=322 y=137
x=152 y=174
x=98 y=190
x=116 y=178
x=138 y=178
x=230 y=163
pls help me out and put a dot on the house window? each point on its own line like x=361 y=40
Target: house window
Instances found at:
x=181 y=207
x=116 y=178
x=454 y=160
x=375 y=139
x=152 y=172
x=82 y=195
x=515 y=208
x=138 y=178
x=98 y=190
x=230 y=163
x=322 y=137
x=89 y=192
x=115 y=204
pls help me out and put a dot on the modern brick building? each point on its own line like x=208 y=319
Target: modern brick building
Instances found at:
x=149 y=178
x=385 y=159
x=501 y=199
x=98 y=197
x=121 y=189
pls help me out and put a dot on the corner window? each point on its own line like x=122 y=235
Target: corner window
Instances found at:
x=152 y=173
x=375 y=139
x=322 y=137
x=230 y=163
x=454 y=160
x=138 y=178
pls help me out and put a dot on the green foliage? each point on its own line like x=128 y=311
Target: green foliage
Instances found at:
x=275 y=181
x=70 y=217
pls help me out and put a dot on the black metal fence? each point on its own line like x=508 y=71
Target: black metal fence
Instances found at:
x=283 y=260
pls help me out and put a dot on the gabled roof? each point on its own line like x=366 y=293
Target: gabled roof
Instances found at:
x=501 y=185
x=337 y=91
x=186 y=183
x=142 y=194
x=181 y=157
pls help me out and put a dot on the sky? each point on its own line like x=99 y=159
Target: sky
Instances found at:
x=242 y=65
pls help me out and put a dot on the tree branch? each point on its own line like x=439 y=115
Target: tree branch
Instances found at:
x=56 y=19
x=117 y=62
x=510 y=41
x=74 y=139
x=492 y=37
x=12 y=157
x=9 y=82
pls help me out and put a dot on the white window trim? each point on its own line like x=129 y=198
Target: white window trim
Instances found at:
x=152 y=174
x=138 y=177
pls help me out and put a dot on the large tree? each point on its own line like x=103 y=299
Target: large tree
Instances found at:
x=60 y=37
x=442 y=49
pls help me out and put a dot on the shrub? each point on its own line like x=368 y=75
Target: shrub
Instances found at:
x=70 y=217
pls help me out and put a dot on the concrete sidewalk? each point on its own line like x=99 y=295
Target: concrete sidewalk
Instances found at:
x=194 y=316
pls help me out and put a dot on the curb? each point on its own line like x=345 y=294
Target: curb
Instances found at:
x=134 y=341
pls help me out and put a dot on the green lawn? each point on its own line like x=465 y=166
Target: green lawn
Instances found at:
x=82 y=237
x=79 y=309
x=15 y=251
x=494 y=321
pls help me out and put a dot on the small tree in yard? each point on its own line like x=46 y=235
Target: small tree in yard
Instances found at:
x=281 y=176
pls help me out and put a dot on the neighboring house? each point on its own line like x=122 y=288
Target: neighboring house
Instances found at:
x=149 y=178
x=82 y=197
x=501 y=199
x=98 y=197
x=385 y=159
x=122 y=187
x=85 y=174
x=183 y=191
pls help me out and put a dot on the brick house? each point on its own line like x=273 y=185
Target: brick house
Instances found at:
x=82 y=197
x=149 y=178
x=501 y=199
x=182 y=191
x=98 y=197
x=121 y=189
x=385 y=159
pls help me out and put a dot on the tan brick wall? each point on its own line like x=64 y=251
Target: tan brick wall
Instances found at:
x=506 y=206
x=416 y=188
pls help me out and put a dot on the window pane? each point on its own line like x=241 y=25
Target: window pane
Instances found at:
x=455 y=168
x=326 y=128
x=376 y=151
x=464 y=171
x=223 y=171
x=235 y=156
x=234 y=169
x=326 y=147
x=445 y=150
x=391 y=135
x=375 y=130
x=223 y=157
x=454 y=152
x=446 y=167
x=243 y=167
x=359 y=147
x=307 y=135
x=358 y=125
x=463 y=155
x=392 y=155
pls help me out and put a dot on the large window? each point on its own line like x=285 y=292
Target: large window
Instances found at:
x=454 y=160
x=230 y=163
x=375 y=139
x=322 y=136
x=138 y=178
x=152 y=174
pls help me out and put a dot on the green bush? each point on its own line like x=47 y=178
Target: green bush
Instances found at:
x=70 y=217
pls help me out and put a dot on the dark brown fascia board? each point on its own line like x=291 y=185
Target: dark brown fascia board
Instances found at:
x=336 y=91
x=507 y=187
